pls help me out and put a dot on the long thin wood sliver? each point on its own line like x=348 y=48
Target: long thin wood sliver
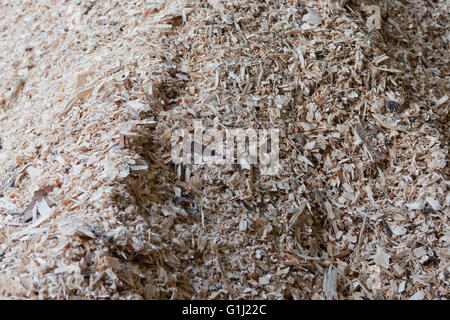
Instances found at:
x=358 y=246
x=17 y=88
x=81 y=94
x=388 y=125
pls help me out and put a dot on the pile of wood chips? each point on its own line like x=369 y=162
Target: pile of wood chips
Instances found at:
x=92 y=206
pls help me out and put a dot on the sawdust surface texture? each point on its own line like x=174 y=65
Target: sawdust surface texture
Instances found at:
x=92 y=206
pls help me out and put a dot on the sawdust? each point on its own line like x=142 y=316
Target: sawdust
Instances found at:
x=91 y=205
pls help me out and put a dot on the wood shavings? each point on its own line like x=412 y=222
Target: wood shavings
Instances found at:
x=312 y=19
x=79 y=95
x=381 y=258
x=39 y=203
x=419 y=295
x=7 y=182
x=358 y=209
x=386 y=123
x=20 y=83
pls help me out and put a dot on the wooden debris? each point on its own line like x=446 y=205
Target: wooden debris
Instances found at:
x=20 y=83
x=91 y=94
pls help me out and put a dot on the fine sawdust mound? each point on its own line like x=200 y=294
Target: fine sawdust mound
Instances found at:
x=91 y=205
